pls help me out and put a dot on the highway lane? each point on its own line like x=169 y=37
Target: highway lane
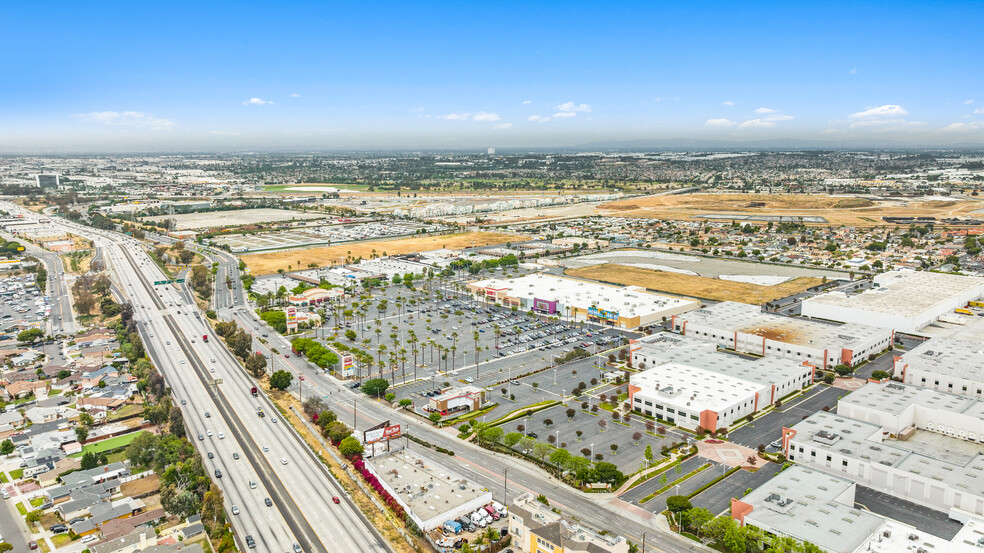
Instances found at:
x=268 y=528
x=337 y=525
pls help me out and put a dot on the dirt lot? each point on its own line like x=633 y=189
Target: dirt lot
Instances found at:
x=693 y=286
x=268 y=263
x=838 y=210
x=141 y=486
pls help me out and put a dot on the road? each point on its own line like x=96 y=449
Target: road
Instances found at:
x=299 y=486
x=471 y=461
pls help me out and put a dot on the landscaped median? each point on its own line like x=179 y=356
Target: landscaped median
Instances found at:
x=680 y=480
x=524 y=412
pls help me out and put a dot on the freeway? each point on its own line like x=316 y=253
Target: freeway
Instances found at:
x=473 y=462
x=269 y=446
x=274 y=461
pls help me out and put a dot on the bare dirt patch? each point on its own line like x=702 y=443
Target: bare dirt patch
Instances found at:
x=140 y=486
x=693 y=286
x=837 y=210
x=268 y=263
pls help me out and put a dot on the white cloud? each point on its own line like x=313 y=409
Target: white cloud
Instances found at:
x=527 y=102
x=564 y=114
x=778 y=117
x=756 y=124
x=224 y=133
x=727 y=103
x=963 y=127
x=456 y=116
x=295 y=95
x=979 y=111
x=719 y=123
x=968 y=102
x=256 y=102
x=535 y=118
x=888 y=110
x=482 y=116
x=502 y=126
x=853 y=71
x=572 y=107
x=133 y=119
x=763 y=111
x=657 y=99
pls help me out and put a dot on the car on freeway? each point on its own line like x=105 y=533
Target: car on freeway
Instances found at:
x=235 y=456
x=297 y=549
x=250 y=542
x=211 y=455
x=335 y=499
x=209 y=432
x=201 y=436
x=252 y=485
x=218 y=473
x=208 y=415
x=235 y=510
x=283 y=460
x=268 y=502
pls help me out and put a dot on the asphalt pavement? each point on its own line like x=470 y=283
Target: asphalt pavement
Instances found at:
x=768 y=428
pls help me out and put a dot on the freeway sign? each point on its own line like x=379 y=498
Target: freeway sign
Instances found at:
x=169 y=281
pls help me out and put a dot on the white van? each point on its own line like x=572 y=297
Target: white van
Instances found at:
x=499 y=508
x=485 y=516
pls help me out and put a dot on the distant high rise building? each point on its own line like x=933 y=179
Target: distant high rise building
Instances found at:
x=491 y=151
x=47 y=181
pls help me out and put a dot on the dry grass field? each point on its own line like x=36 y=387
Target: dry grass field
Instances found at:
x=268 y=263
x=838 y=210
x=693 y=286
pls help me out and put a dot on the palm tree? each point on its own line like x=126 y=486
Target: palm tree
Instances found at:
x=492 y=536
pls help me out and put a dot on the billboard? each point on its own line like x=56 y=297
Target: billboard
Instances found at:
x=291 y=313
x=348 y=365
x=382 y=432
x=603 y=314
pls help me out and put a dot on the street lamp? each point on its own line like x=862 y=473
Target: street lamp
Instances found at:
x=526 y=428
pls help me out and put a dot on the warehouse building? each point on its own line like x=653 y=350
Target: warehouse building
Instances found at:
x=578 y=300
x=819 y=508
x=933 y=469
x=901 y=409
x=810 y=506
x=944 y=364
x=429 y=492
x=745 y=328
x=905 y=301
x=689 y=383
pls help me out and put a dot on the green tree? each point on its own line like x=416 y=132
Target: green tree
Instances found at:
x=350 y=447
x=89 y=461
x=34 y=516
x=256 y=365
x=86 y=420
x=350 y=335
x=6 y=447
x=81 y=434
x=30 y=335
x=697 y=517
x=678 y=503
x=280 y=380
x=491 y=434
x=434 y=417
x=734 y=537
x=375 y=387
x=512 y=438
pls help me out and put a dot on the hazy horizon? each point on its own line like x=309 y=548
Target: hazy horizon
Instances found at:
x=444 y=76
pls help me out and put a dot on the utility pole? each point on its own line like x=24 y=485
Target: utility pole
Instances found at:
x=355 y=412
x=643 y=542
x=505 y=481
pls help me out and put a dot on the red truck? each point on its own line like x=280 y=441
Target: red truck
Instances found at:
x=253 y=391
x=205 y=337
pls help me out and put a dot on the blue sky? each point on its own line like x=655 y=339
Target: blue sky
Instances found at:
x=321 y=75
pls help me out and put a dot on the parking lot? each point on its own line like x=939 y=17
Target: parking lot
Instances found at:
x=768 y=428
x=21 y=303
x=452 y=330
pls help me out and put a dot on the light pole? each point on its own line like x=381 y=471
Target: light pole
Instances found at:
x=592 y=451
x=526 y=428
x=555 y=377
